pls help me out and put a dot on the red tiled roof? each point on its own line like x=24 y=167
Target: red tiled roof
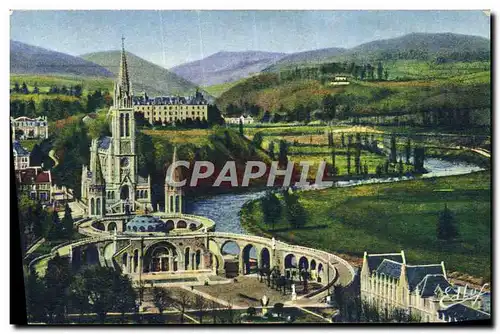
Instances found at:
x=28 y=175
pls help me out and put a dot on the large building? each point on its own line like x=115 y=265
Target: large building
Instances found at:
x=30 y=128
x=171 y=109
x=111 y=184
x=424 y=290
x=21 y=156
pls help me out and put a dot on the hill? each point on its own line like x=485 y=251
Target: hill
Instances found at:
x=145 y=76
x=306 y=57
x=443 y=47
x=424 y=46
x=29 y=59
x=223 y=67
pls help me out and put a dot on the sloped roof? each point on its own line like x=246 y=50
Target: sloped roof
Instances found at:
x=429 y=284
x=374 y=260
x=461 y=312
x=19 y=149
x=390 y=268
x=416 y=274
x=104 y=143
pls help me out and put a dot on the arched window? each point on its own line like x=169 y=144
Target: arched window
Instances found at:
x=98 y=207
x=127 y=125
x=92 y=207
x=121 y=125
x=142 y=229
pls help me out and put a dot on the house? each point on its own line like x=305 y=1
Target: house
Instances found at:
x=340 y=80
x=35 y=182
x=236 y=120
x=21 y=156
x=389 y=282
x=30 y=128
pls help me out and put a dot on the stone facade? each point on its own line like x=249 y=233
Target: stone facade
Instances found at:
x=171 y=109
x=110 y=184
x=390 y=283
x=32 y=128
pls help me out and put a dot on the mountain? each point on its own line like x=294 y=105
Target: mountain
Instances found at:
x=424 y=46
x=145 y=76
x=416 y=46
x=313 y=56
x=29 y=59
x=223 y=67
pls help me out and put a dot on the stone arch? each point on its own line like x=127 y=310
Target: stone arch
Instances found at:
x=290 y=261
x=181 y=224
x=91 y=254
x=230 y=247
x=321 y=271
x=151 y=228
x=249 y=258
x=100 y=226
x=169 y=225
x=112 y=226
x=218 y=264
x=265 y=258
x=303 y=263
x=313 y=264
x=160 y=257
x=142 y=229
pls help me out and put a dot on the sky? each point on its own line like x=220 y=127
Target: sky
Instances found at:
x=170 y=38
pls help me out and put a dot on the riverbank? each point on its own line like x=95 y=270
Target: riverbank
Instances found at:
x=389 y=217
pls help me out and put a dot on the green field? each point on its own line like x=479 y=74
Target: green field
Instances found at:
x=44 y=82
x=389 y=217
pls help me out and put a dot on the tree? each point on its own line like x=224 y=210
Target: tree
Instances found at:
x=271 y=150
x=408 y=150
x=400 y=166
x=271 y=208
x=348 y=156
x=16 y=88
x=57 y=280
x=257 y=140
x=35 y=297
x=67 y=222
x=380 y=71
x=56 y=229
x=181 y=303
x=393 y=155
x=241 y=128
x=295 y=213
x=334 y=155
x=342 y=139
x=447 y=226
x=386 y=75
x=161 y=299
x=283 y=153
x=104 y=290
x=24 y=88
x=200 y=306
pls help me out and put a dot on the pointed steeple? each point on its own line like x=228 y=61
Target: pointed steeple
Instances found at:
x=123 y=78
x=123 y=87
x=174 y=173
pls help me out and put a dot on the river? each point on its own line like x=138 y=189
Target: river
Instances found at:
x=224 y=209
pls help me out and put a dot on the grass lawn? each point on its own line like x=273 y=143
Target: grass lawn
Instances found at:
x=390 y=217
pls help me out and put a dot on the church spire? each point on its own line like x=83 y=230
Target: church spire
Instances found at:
x=123 y=87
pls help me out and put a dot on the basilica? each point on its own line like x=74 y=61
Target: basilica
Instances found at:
x=110 y=183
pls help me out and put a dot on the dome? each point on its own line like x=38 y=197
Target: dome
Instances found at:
x=145 y=223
